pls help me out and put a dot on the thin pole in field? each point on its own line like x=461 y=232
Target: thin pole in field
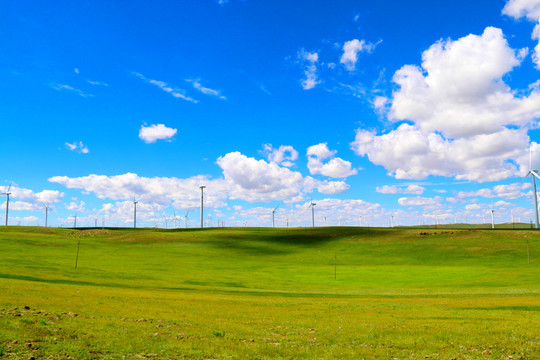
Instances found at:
x=77 y=258
x=335 y=266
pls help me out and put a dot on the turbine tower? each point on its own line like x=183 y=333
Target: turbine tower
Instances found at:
x=202 y=205
x=46 y=213
x=312 y=206
x=75 y=221
x=534 y=175
x=7 y=193
x=273 y=211
x=135 y=213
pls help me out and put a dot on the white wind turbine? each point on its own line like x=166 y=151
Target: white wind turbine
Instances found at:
x=273 y=212
x=7 y=193
x=46 y=213
x=534 y=175
x=135 y=202
x=312 y=206
x=202 y=187
x=186 y=218
x=492 y=217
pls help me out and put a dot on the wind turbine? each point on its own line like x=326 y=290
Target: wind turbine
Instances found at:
x=186 y=217
x=202 y=205
x=492 y=218
x=75 y=220
x=512 y=216
x=46 y=213
x=534 y=175
x=166 y=222
x=273 y=212
x=134 y=213
x=7 y=193
x=175 y=219
x=312 y=206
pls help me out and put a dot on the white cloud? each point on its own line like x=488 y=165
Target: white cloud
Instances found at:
x=309 y=61
x=78 y=147
x=380 y=103
x=510 y=191
x=393 y=189
x=244 y=178
x=531 y=10
x=77 y=207
x=350 y=52
x=332 y=187
x=184 y=193
x=502 y=203
x=207 y=91
x=335 y=167
x=97 y=83
x=419 y=201
x=467 y=123
x=175 y=92
x=152 y=133
x=256 y=180
x=473 y=207
x=285 y=155
x=26 y=199
x=122 y=211
x=64 y=87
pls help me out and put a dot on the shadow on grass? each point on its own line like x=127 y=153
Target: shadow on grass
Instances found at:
x=265 y=241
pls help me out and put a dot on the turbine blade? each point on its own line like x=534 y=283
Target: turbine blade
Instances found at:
x=535 y=174
x=525 y=177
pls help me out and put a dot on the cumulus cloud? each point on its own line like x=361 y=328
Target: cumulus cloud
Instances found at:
x=152 y=133
x=419 y=201
x=122 y=211
x=393 y=189
x=466 y=122
x=26 y=199
x=531 y=10
x=184 y=193
x=175 y=92
x=244 y=178
x=335 y=167
x=350 y=52
x=257 y=180
x=285 y=155
x=309 y=60
x=510 y=191
x=78 y=147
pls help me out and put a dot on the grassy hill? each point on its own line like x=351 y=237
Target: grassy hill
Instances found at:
x=248 y=293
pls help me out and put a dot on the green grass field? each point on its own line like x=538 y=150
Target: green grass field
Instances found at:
x=323 y=293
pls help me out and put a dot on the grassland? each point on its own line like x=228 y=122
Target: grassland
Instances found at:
x=324 y=293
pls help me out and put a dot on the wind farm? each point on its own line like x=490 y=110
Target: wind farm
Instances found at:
x=240 y=179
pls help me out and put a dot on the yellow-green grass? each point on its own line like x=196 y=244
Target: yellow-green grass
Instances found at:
x=324 y=293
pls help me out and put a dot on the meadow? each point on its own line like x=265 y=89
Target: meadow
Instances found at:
x=262 y=293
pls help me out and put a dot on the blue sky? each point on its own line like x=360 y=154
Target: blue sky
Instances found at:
x=423 y=111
